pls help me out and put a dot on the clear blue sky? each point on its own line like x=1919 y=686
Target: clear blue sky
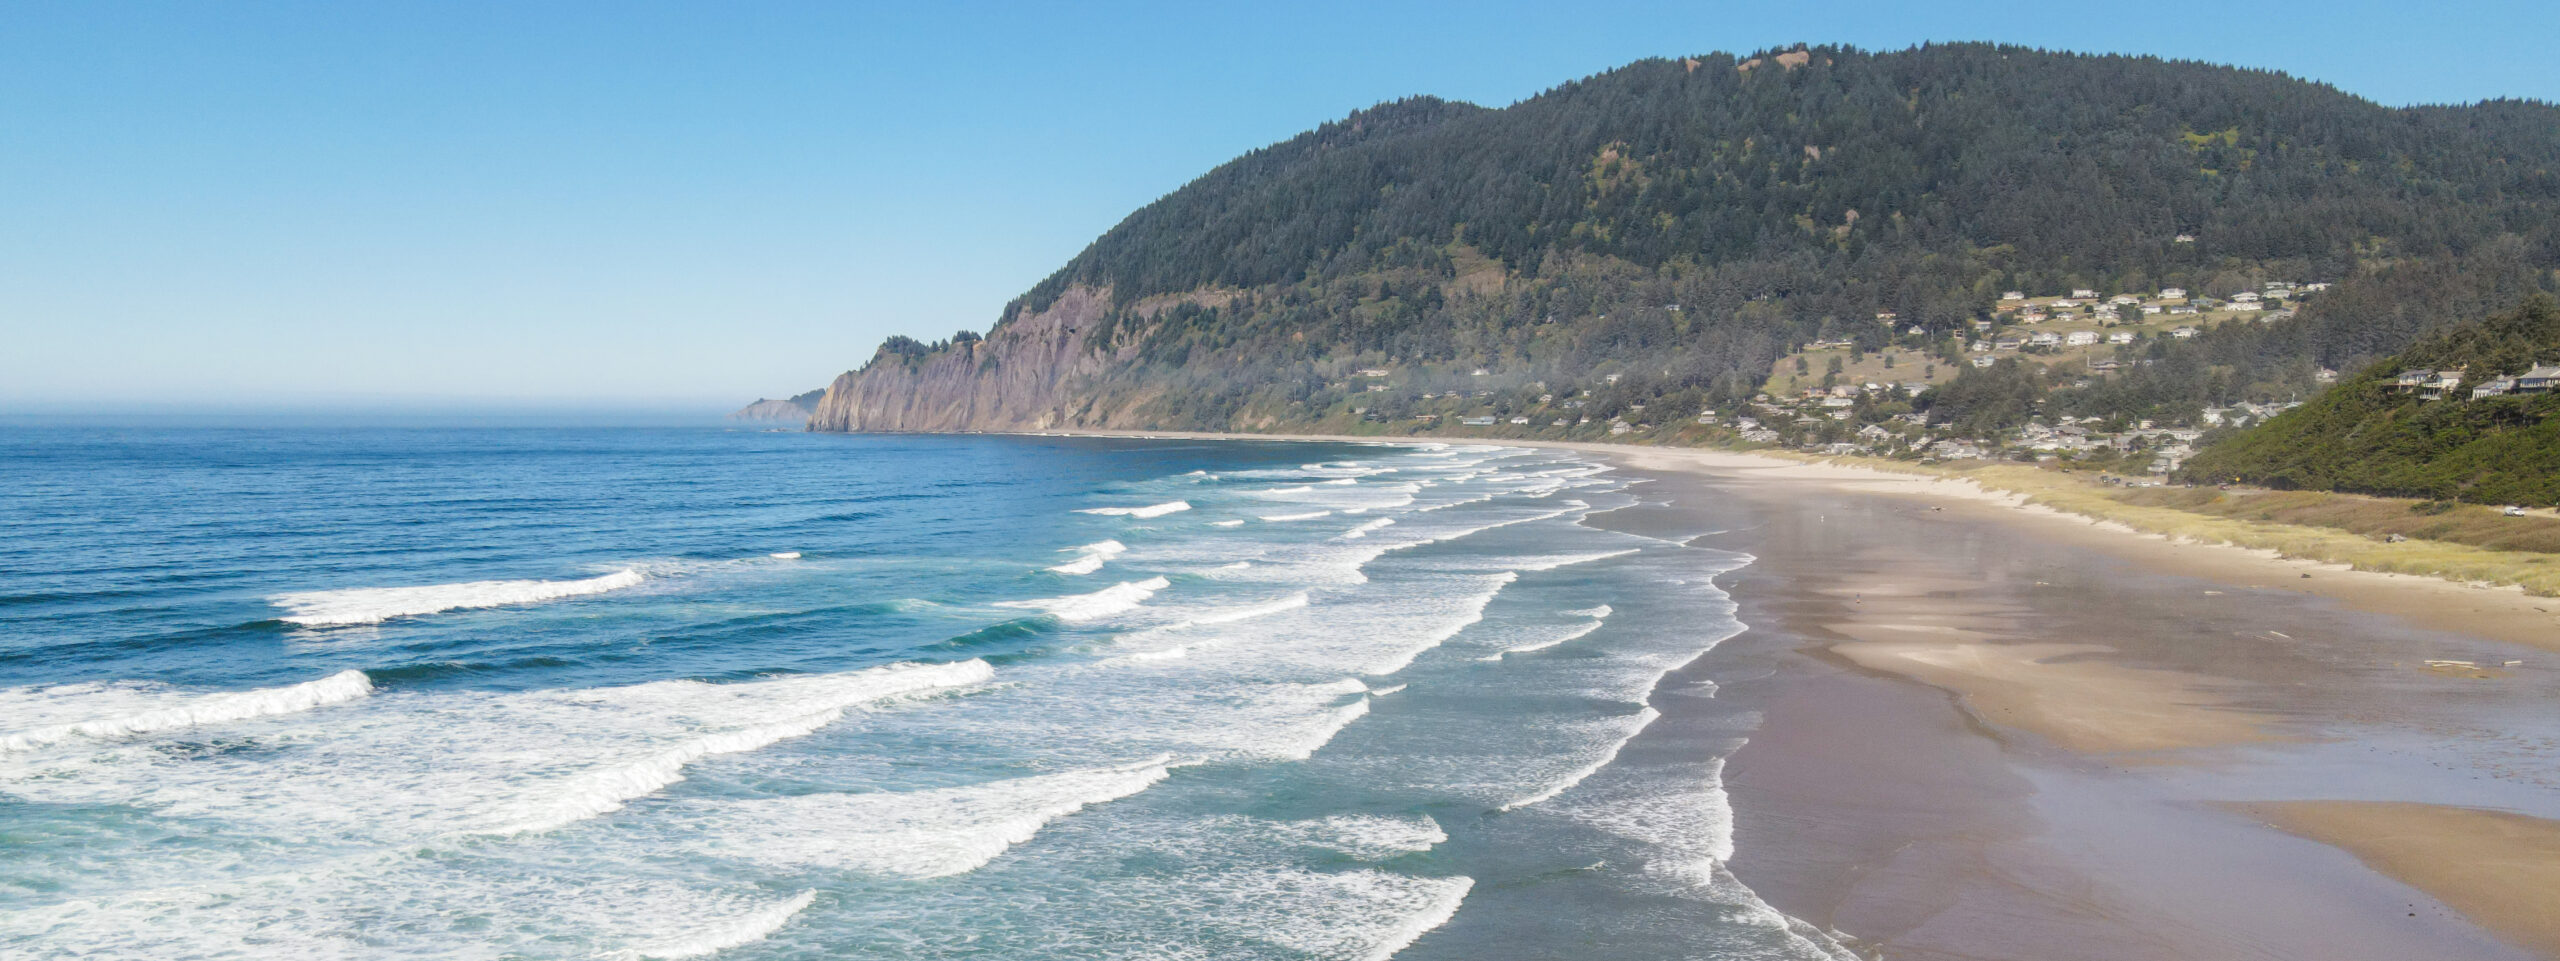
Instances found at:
x=532 y=203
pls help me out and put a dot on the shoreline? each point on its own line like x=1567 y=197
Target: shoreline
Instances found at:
x=1969 y=755
x=2501 y=613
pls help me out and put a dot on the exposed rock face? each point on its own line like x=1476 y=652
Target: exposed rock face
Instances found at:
x=777 y=411
x=1021 y=377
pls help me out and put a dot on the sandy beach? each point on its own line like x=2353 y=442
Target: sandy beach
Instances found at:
x=1994 y=731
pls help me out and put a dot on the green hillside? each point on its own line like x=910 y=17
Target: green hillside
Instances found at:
x=1662 y=234
x=2372 y=435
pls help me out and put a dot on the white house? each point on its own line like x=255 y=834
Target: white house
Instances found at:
x=2493 y=388
x=2084 y=293
x=2183 y=333
x=2013 y=295
x=2247 y=305
x=2538 y=380
x=2173 y=293
x=2443 y=383
x=2151 y=308
x=2044 y=339
x=1985 y=360
x=2081 y=338
x=2244 y=297
x=2120 y=337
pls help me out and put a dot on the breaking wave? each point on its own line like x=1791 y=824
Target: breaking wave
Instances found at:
x=373 y=605
x=203 y=709
x=1142 y=513
x=606 y=790
x=745 y=929
x=1076 y=608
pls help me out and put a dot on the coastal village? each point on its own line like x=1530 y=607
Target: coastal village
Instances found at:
x=2077 y=336
x=1853 y=394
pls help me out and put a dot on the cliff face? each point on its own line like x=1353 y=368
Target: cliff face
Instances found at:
x=1019 y=378
x=779 y=411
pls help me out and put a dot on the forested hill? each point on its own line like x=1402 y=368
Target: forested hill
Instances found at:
x=2470 y=413
x=1684 y=223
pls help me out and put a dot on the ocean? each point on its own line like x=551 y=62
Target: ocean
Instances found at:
x=304 y=692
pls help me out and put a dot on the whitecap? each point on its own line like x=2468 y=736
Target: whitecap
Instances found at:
x=1099 y=604
x=373 y=605
x=175 y=712
x=746 y=929
x=1142 y=513
x=913 y=834
x=1363 y=530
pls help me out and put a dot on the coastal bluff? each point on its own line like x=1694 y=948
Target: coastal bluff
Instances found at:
x=1021 y=377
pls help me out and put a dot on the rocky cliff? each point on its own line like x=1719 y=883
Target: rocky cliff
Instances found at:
x=776 y=411
x=1021 y=377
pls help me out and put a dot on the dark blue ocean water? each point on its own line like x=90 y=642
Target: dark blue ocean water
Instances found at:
x=632 y=692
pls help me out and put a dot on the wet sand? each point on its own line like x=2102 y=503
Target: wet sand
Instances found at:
x=1981 y=741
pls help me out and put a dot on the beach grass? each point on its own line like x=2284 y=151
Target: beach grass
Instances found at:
x=2465 y=543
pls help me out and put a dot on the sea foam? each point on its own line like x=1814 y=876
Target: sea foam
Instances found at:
x=608 y=789
x=1077 y=608
x=195 y=710
x=373 y=605
x=734 y=932
x=915 y=834
x=1095 y=555
x=1142 y=513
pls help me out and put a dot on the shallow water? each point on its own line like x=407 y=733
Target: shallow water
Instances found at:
x=676 y=693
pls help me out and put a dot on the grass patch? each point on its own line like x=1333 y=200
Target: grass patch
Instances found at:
x=2468 y=543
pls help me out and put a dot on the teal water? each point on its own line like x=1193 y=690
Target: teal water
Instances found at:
x=623 y=692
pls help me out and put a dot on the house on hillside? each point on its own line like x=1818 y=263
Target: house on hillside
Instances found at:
x=2124 y=300
x=2244 y=297
x=2044 y=338
x=2441 y=385
x=1916 y=330
x=2173 y=293
x=2151 y=308
x=2084 y=293
x=1873 y=433
x=2183 y=333
x=2081 y=338
x=2246 y=305
x=2493 y=387
x=2013 y=295
x=2410 y=380
x=1985 y=360
x=2183 y=309
x=2538 y=380
x=2120 y=337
